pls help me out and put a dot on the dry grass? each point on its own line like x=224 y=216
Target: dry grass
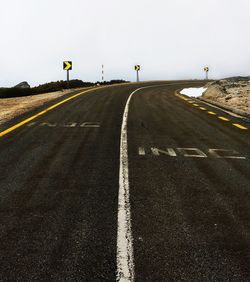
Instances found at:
x=12 y=107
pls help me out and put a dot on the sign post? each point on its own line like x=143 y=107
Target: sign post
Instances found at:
x=206 y=69
x=67 y=65
x=137 y=69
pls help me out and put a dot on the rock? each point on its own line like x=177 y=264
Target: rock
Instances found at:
x=23 y=85
x=213 y=92
x=232 y=92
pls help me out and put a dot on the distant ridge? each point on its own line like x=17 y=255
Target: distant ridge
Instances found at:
x=237 y=78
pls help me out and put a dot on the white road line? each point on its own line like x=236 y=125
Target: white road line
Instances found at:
x=125 y=253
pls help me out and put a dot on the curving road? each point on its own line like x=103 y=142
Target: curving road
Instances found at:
x=181 y=178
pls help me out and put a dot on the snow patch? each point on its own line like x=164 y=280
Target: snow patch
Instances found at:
x=193 y=92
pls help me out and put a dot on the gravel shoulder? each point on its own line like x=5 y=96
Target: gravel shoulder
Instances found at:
x=13 y=107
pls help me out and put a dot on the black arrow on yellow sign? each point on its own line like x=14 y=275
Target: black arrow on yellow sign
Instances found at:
x=67 y=65
x=137 y=67
x=206 y=69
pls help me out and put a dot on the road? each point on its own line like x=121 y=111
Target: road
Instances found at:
x=178 y=169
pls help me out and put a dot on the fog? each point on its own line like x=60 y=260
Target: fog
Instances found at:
x=169 y=39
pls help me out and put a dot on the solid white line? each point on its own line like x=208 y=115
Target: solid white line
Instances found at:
x=125 y=253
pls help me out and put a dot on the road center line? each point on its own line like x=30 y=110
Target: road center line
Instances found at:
x=223 y=118
x=212 y=113
x=240 y=126
x=125 y=253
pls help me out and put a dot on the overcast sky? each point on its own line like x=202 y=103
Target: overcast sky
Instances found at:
x=170 y=39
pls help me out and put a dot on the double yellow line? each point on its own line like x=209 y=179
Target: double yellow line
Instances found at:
x=14 y=127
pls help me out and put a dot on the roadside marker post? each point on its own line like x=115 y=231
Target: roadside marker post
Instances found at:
x=206 y=70
x=102 y=73
x=137 y=69
x=67 y=65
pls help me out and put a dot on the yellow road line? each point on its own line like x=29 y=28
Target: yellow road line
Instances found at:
x=240 y=126
x=212 y=113
x=223 y=118
x=14 y=127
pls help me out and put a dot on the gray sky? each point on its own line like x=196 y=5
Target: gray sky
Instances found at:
x=170 y=39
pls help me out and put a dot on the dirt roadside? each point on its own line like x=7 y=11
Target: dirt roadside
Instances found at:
x=12 y=107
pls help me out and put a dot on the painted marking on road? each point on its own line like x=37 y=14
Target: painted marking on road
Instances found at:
x=31 y=124
x=70 y=125
x=211 y=113
x=169 y=152
x=192 y=153
x=28 y=120
x=66 y=125
x=48 y=124
x=225 y=154
x=240 y=126
x=90 y=124
x=141 y=151
x=125 y=252
x=223 y=118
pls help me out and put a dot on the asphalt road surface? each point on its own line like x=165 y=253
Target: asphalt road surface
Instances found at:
x=109 y=186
